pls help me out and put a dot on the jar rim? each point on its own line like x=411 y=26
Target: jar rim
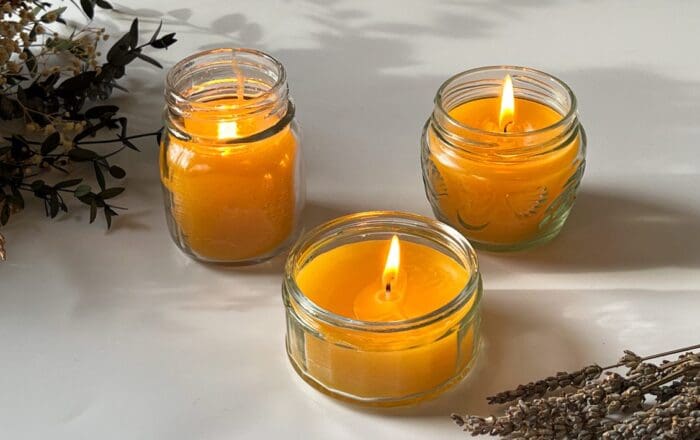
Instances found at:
x=170 y=77
x=471 y=289
x=565 y=119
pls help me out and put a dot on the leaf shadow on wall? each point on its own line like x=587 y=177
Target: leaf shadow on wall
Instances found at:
x=388 y=110
x=366 y=120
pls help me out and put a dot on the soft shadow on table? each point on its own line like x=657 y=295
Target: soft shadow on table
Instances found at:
x=130 y=221
x=504 y=360
x=610 y=232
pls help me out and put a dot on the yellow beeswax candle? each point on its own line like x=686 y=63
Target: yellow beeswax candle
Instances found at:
x=232 y=195
x=358 y=281
x=232 y=202
x=510 y=177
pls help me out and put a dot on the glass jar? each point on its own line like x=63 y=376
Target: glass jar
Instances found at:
x=378 y=363
x=503 y=190
x=230 y=157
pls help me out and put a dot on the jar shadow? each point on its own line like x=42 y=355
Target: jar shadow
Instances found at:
x=610 y=232
x=515 y=332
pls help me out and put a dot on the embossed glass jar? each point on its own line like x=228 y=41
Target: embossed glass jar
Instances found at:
x=382 y=363
x=503 y=190
x=230 y=159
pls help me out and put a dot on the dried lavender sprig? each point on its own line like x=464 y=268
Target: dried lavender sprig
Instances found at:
x=677 y=418
x=544 y=386
x=629 y=356
x=575 y=379
x=560 y=416
x=691 y=368
x=584 y=414
x=664 y=393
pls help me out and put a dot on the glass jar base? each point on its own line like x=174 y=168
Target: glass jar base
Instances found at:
x=379 y=402
x=515 y=247
x=258 y=259
x=234 y=263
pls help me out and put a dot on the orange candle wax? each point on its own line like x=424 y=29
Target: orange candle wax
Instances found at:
x=374 y=281
x=231 y=201
x=501 y=196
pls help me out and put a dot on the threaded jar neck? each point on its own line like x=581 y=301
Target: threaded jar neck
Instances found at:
x=225 y=86
x=487 y=82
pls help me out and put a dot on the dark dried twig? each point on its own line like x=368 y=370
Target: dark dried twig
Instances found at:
x=648 y=402
x=47 y=80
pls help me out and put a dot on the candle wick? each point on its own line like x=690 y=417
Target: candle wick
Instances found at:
x=387 y=291
x=505 y=127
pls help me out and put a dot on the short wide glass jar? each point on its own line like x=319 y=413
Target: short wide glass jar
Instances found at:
x=230 y=158
x=503 y=189
x=347 y=339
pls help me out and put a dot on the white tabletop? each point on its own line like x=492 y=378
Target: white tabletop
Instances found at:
x=118 y=335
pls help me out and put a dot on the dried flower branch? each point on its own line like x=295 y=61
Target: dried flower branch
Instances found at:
x=575 y=379
x=650 y=401
x=47 y=79
x=544 y=386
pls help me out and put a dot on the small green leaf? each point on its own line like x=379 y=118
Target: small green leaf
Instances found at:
x=17 y=198
x=150 y=60
x=53 y=205
x=134 y=33
x=127 y=143
x=9 y=108
x=117 y=172
x=30 y=61
x=67 y=183
x=82 y=191
x=50 y=143
x=100 y=111
x=103 y=4
x=110 y=192
x=155 y=34
x=108 y=217
x=78 y=83
x=88 y=7
x=82 y=154
x=93 y=210
x=37 y=185
x=164 y=42
x=120 y=55
x=99 y=175
x=57 y=12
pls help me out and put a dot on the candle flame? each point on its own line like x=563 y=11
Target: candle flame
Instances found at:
x=391 y=268
x=507 y=114
x=227 y=130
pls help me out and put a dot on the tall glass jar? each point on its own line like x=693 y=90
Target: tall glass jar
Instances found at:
x=382 y=363
x=511 y=189
x=230 y=158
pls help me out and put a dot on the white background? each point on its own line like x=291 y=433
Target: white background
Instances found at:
x=118 y=335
